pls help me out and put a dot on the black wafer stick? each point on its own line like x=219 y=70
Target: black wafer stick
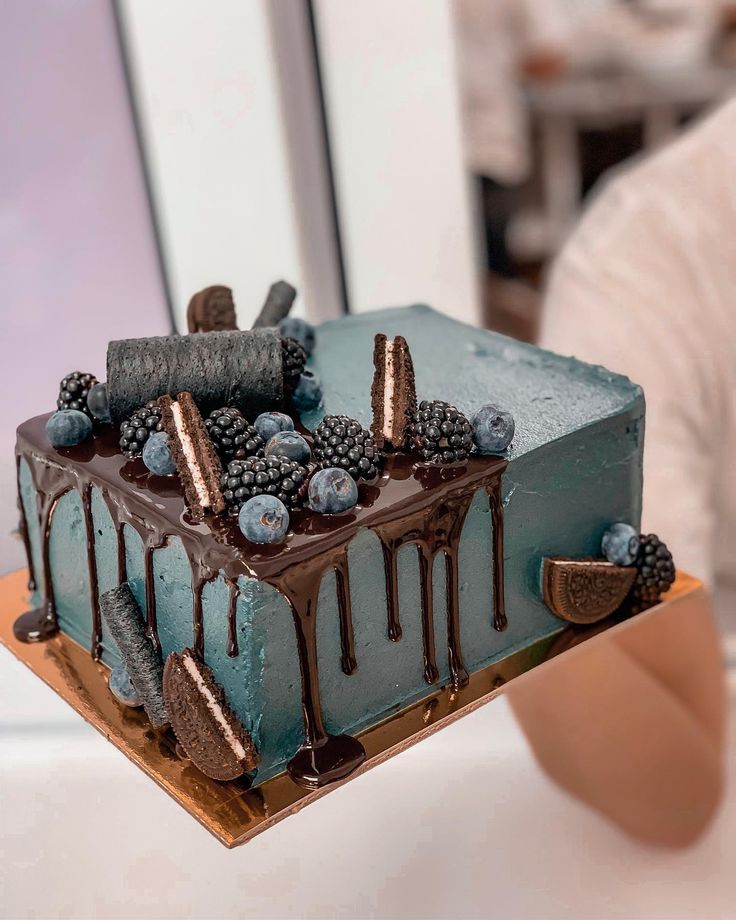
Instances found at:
x=125 y=621
x=242 y=369
x=279 y=300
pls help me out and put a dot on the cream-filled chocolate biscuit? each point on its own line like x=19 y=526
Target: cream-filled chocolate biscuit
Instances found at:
x=194 y=454
x=393 y=394
x=212 y=735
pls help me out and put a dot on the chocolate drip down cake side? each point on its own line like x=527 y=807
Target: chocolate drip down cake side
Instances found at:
x=278 y=538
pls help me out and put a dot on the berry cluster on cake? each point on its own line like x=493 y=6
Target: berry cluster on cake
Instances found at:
x=278 y=537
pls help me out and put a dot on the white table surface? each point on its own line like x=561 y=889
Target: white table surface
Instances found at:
x=84 y=834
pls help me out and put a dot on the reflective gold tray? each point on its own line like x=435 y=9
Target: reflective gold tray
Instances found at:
x=231 y=811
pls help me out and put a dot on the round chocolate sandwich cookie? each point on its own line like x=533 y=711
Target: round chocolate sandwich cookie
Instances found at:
x=212 y=310
x=215 y=739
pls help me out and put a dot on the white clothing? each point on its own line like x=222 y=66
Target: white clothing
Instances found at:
x=494 y=35
x=647 y=286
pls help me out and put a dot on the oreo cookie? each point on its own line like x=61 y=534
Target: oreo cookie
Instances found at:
x=393 y=393
x=194 y=454
x=128 y=628
x=212 y=310
x=212 y=735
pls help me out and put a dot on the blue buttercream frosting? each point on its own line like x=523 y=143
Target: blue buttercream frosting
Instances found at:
x=575 y=466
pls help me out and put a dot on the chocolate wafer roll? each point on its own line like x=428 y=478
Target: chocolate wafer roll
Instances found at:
x=125 y=621
x=243 y=369
x=279 y=300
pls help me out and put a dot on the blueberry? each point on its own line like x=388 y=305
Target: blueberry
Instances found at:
x=620 y=544
x=308 y=392
x=97 y=403
x=268 y=423
x=332 y=491
x=293 y=327
x=121 y=687
x=493 y=429
x=68 y=427
x=289 y=444
x=157 y=456
x=264 y=519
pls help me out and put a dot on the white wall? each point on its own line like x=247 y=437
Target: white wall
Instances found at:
x=395 y=121
x=208 y=99
x=78 y=263
x=292 y=46
x=227 y=110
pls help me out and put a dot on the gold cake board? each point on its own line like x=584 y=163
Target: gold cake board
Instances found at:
x=231 y=811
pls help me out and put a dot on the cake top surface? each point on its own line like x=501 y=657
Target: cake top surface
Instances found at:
x=549 y=396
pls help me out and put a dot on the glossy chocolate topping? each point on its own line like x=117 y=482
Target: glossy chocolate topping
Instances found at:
x=409 y=504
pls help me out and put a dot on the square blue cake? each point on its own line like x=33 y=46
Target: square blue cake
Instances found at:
x=434 y=575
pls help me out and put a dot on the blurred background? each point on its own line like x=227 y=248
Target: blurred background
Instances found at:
x=373 y=153
x=557 y=94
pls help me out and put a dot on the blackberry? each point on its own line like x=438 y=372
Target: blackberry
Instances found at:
x=234 y=438
x=244 y=479
x=295 y=357
x=134 y=431
x=655 y=572
x=342 y=442
x=74 y=390
x=440 y=433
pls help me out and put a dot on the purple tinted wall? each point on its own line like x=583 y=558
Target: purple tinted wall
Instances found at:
x=78 y=263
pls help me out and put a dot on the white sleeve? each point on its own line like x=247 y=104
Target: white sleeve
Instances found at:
x=623 y=294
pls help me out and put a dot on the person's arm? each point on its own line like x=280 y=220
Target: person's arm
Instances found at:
x=625 y=294
x=633 y=724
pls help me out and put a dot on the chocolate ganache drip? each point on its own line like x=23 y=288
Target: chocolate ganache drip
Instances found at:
x=410 y=505
x=89 y=528
x=232 y=612
x=23 y=529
